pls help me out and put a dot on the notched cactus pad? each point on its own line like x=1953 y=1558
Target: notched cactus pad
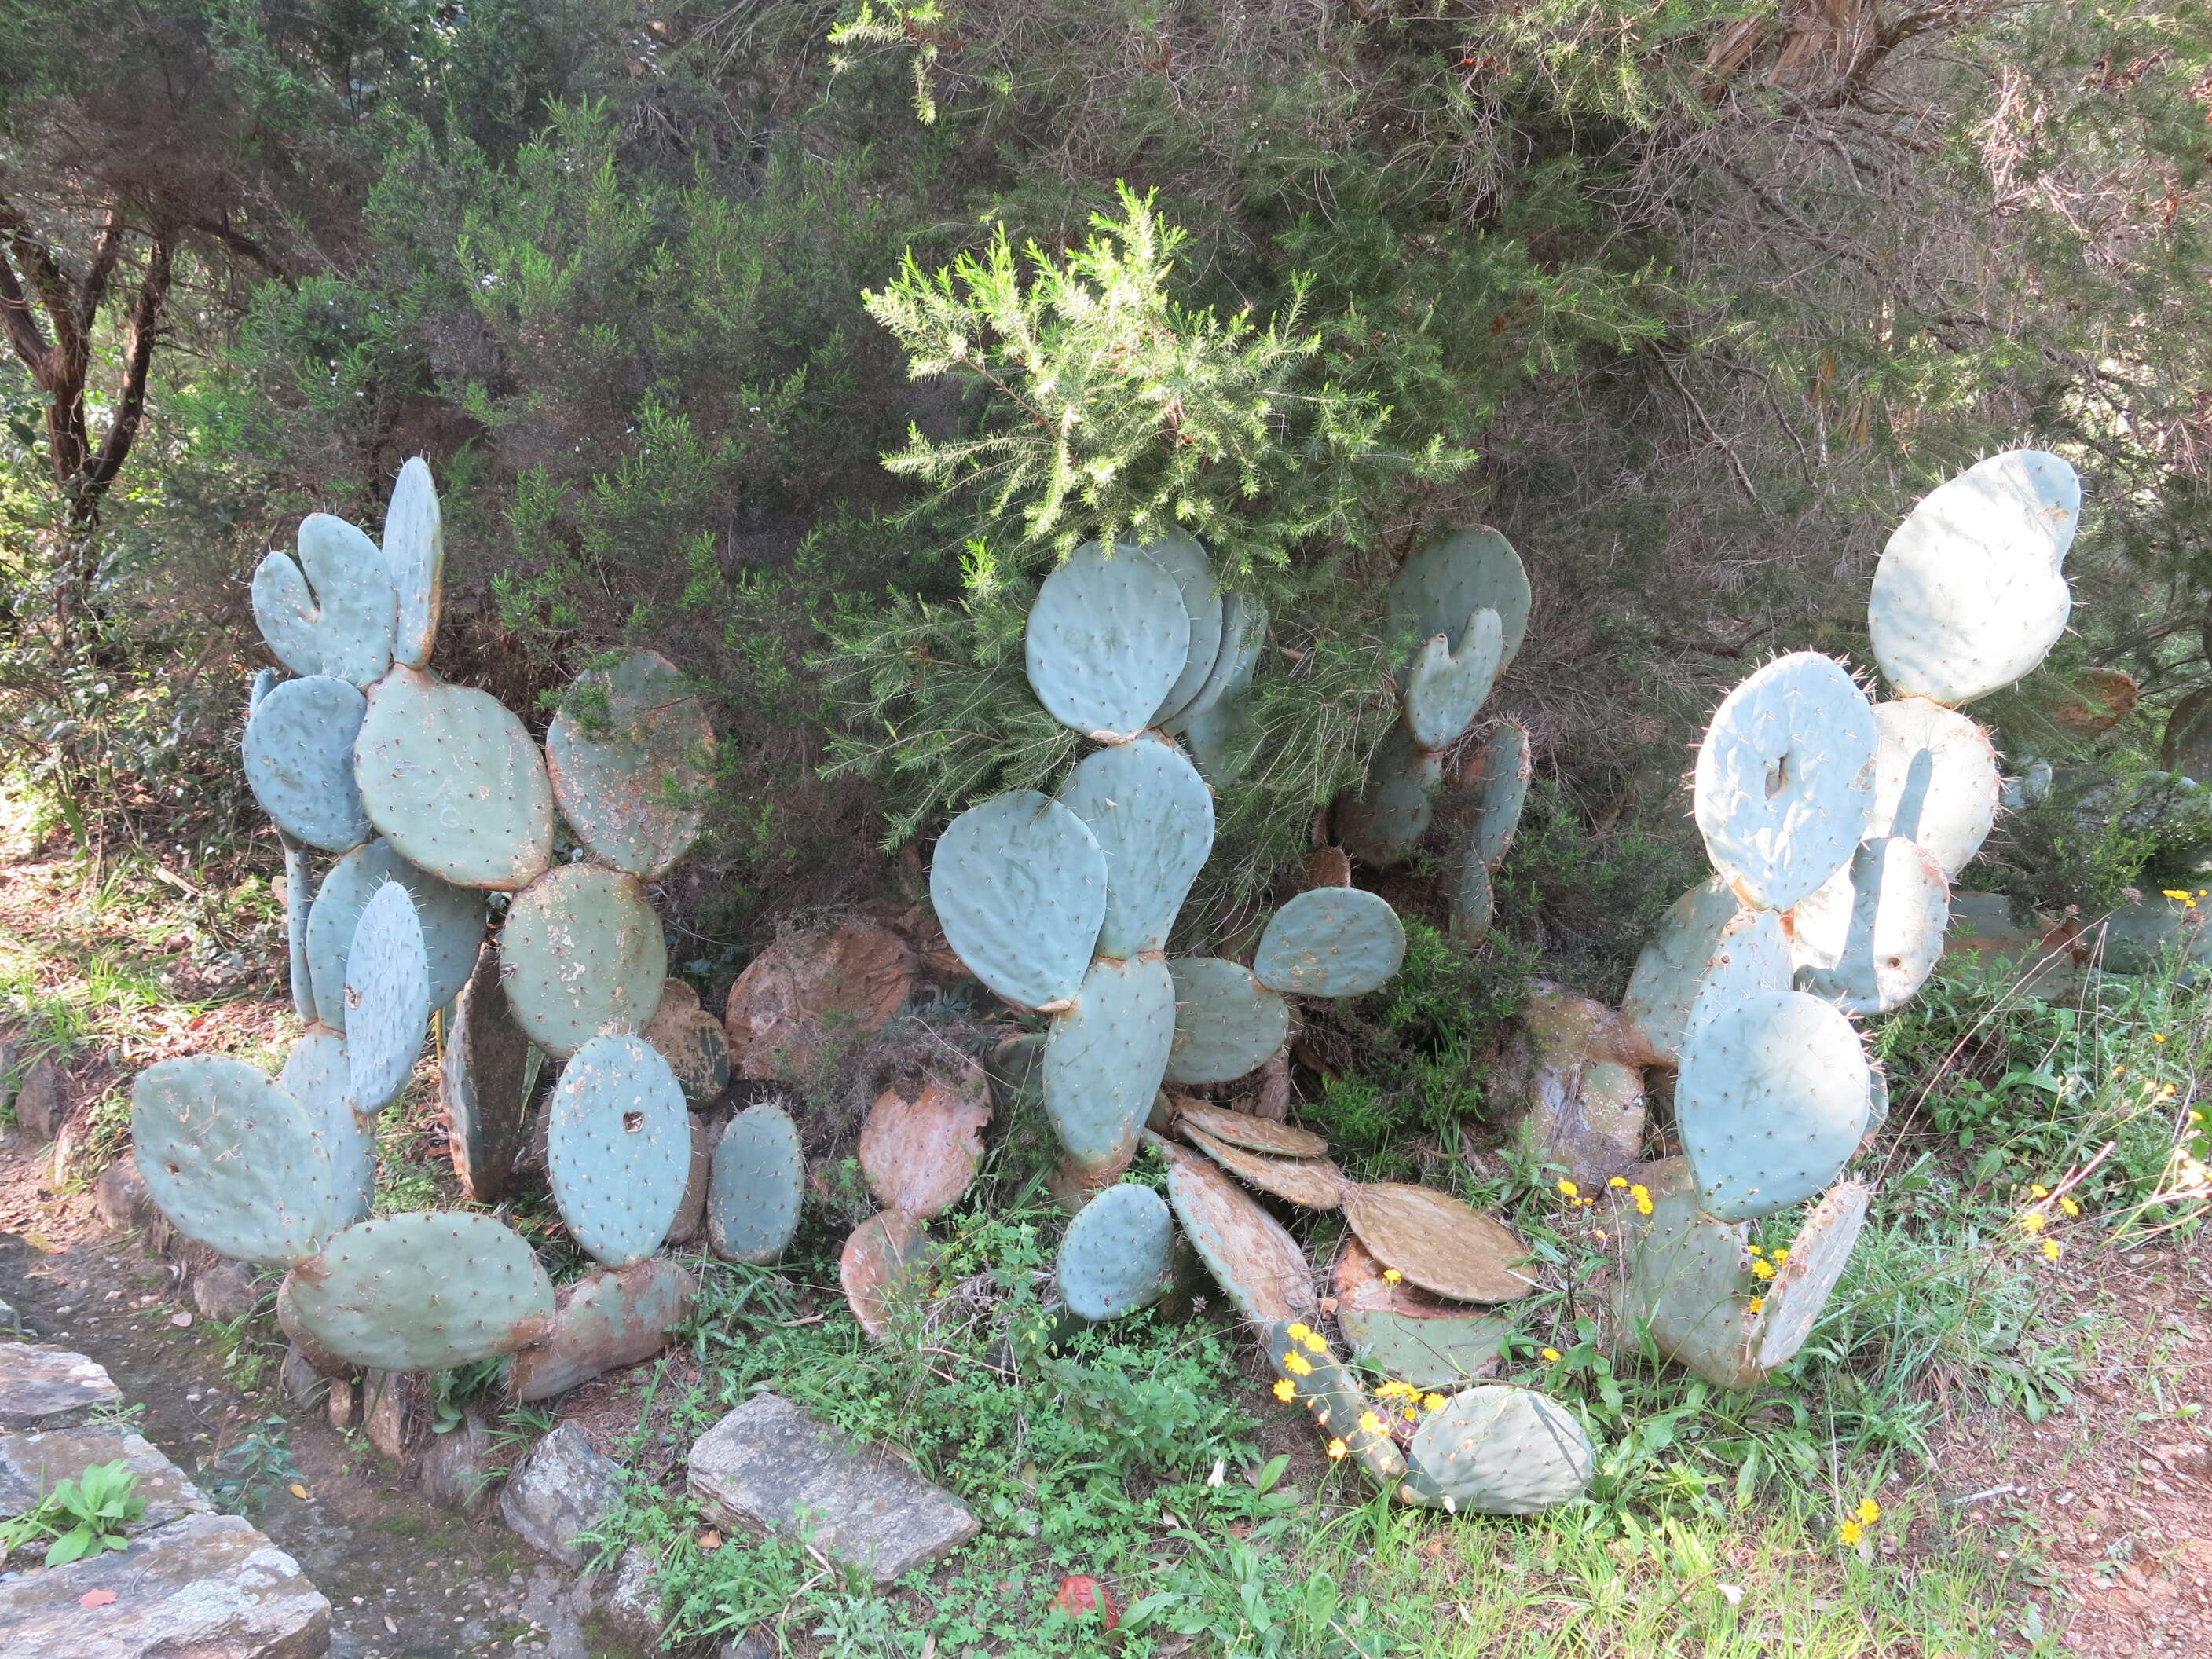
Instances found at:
x=692 y=1041
x=613 y=1317
x=1393 y=808
x=1105 y=1058
x=415 y=555
x=1499 y=785
x=1152 y=816
x=232 y=1160
x=1869 y=938
x=1330 y=942
x=423 y=1293
x=760 y=1176
x=1226 y=1022
x=331 y=613
x=1116 y=1254
x=1785 y=779
x=1969 y=595
x=1400 y=1331
x=1182 y=558
x=1259 y=1265
x=454 y=782
x=484 y=1080
x=1312 y=1183
x=1439 y=1242
x=1771 y=1102
x=1705 y=935
x=298 y=761
x=921 y=1146
x=884 y=1268
x=451 y=919
x=581 y=953
x=1935 y=781
x=1499 y=1450
x=315 y=1074
x=388 y=999
x=1448 y=685
x=1019 y=887
x=617 y=1148
x=629 y=756
x=1107 y=639
x=1451 y=577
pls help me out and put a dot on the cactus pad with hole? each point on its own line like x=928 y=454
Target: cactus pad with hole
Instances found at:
x=1869 y=938
x=617 y=1148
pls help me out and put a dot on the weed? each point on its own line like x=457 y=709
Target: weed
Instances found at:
x=83 y=1516
x=244 y=1476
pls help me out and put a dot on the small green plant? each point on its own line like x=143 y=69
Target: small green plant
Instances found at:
x=244 y=1476
x=83 y=1515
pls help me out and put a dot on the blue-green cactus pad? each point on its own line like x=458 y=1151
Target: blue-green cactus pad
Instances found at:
x=1800 y=1291
x=336 y=618
x=1869 y=938
x=1259 y=1265
x=1152 y=816
x=581 y=953
x=1393 y=809
x=632 y=776
x=617 y=1148
x=484 y=1080
x=1771 y=1102
x=415 y=555
x=1501 y=789
x=316 y=1075
x=1496 y=1450
x=425 y=1292
x=1019 y=887
x=753 y=1196
x=1705 y=936
x=298 y=761
x=1226 y=1022
x=1424 y=1352
x=1687 y=1283
x=1474 y=900
x=454 y=781
x=297 y=911
x=1116 y=1254
x=1105 y=1058
x=1446 y=687
x=452 y=919
x=1451 y=577
x=1108 y=638
x=233 y=1161
x=387 y=998
x=1330 y=942
x=1213 y=724
x=1785 y=779
x=1182 y=558
x=1330 y=1393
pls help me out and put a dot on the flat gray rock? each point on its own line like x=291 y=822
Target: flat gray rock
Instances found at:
x=771 y=1467
x=31 y=1465
x=633 y=1614
x=203 y=1587
x=564 y=1487
x=43 y=1388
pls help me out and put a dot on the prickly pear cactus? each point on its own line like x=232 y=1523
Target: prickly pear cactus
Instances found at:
x=1019 y=887
x=1117 y=1254
x=316 y=1075
x=1440 y=1243
x=1204 y=609
x=1330 y=942
x=1499 y=1450
x=1349 y=1418
x=617 y=1148
x=1108 y=640
x=1213 y=724
x=485 y=1079
x=1450 y=578
x=451 y=919
x=1448 y=685
x=388 y=999
x=582 y=953
x=1871 y=934
x=1707 y=939
x=1381 y=824
x=629 y=757
x=298 y=761
x=423 y=1293
x=234 y=1161
x=1104 y=1059
x=753 y=1196
x=1226 y=1022
x=1935 y=781
x=1257 y=1264
x=332 y=612
x=1152 y=816
x=414 y=556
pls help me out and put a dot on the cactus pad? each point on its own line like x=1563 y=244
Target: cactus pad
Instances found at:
x=415 y=555
x=1394 y=806
x=1446 y=687
x=692 y=1041
x=1212 y=722
x=1260 y=1134
x=1438 y=1241
x=1771 y=1102
x=1803 y=1284
x=484 y=1080
x=1686 y=1285
x=920 y=1149
x=883 y=1267
x=1152 y=816
x=1331 y=1396
x=1499 y=1450
x=1968 y=596
x=1104 y=1060
x=233 y=1161
x=1935 y=780
x=610 y=1317
x=581 y=953
x=331 y=613
x=1116 y=1254
x=298 y=761
x=298 y=907
x=1330 y=942
x=1019 y=887
x=1402 y=1331
x=315 y=1075
x=455 y=783
x=1785 y=779
x=1311 y=1184
x=617 y=1148
x=425 y=1292
x=1107 y=639
x=451 y=919
x=1706 y=934
x=1450 y=578
x=1869 y=938
x=1258 y=1264
x=1499 y=785
x=1226 y=1022
x=1182 y=558
x=1474 y=900
x=634 y=788
x=760 y=1176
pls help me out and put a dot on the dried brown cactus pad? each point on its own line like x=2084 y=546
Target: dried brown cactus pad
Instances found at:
x=920 y=1148
x=1439 y=1242
x=1314 y=1183
x=882 y=1255
x=1256 y=1133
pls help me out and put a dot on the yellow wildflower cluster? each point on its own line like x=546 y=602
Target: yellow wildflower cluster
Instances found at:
x=1573 y=1194
x=2182 y=895
x=1640 y=1193
x=1855 y=1524
x=1391 y=1275
x=1307 y=1336
x=1336 y=1449
x=1757 y=1303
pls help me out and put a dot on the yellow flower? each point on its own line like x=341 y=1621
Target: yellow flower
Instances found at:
x=2051 y=1249
x=1435 y=1402
x=2173 y=892
x=1617 y=1181
x=1643 y=1197
x=1757 y=1303
x=1370 y=1424
x=1336 y=1449
x=1298 y=1332
x=1850 y=1532
x=1869 y=1511
x=2038 y=1190
x=1568 y=1187
x=2069 y=1206
x=1297 y=1364
x=1392 y=1390
x=1413 y=1416
x=2158 y=1036
x=1754 y=1249
x=1391 y=1275
x=2030 y=1221
x=2196 y=1117
x=1287 y=1390
x=1781 y=1256
x=1762 y=1270
x=1551 y=1355
x=1314 y=1344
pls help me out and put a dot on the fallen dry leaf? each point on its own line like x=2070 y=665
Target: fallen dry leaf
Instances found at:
x=181 y=1320
x=298 y=1492
x=96 y=1599
x=710 y=1540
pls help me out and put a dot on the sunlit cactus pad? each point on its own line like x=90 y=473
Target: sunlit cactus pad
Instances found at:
x=415 y=555
x=1182 y=558
x=1108 y=640
x=1330 y=942
x=423 y=1293
x=1935 y=780
x=1018 y=884
x=331 y=613
x=1706 y=936
x=1447 y=579
x=232 y=1160
x=1105 y=1058
x=299 y=754
x=581 y=953
x=629 y=756
x=1869 y=938
x=617 y=1148
x=1499 y=1450
x=388 y=999
x=1116 y=1254
x=1152 y=816
x=315 y=1074
x=1801 y=1286
x=1226 y=1022
x=760 y=1176
x=452 y=919
x=1439 y=1242
x=1259 y=1265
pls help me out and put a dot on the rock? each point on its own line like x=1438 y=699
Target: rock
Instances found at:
x=616 y=1317
x=203 y=1587
x=225 y=1291
x=42 y=1103
x=633 y=1614
x=11 y=1322
x=1569 y=1075
x=798 y=994
x=769 y=1466
x=30 y=1464
x=302 y=1384
x=43 y=1388
x=396 y=1414
x=460 y=1469
x=120 y=1196
x=564 y=1487
x=750 y=1645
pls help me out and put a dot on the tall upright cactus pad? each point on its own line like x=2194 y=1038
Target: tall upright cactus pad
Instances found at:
x=629 y=756
x=1259 y=1266
x=1969 y=595
x=1935 y=780
x=298 y=761
x=1104 y=1060
x=1869 y=938
x=1706 y=935
x=1803 y=1284
x=451 y=919
x=1499 y=1450
x=1226 y=1022
x=1770 y=1102
x=1498 y=782
x=425 y=1292
x=454 y=782
x=1212 y=722
x=331 y=613
x=1330 y=942
x=1399 y=1330
x=415 y=555
x=1447 y=579
x=1019 y=883
x=232 y=1160
x=1448 y=683
x=316 y=1075
x=298 y=907
x=582 y=953
x=1395 y=804
x=1116 y=1255
x=1333 y=1396
x=760 y=1176
x=1107 y=639
x=1439 y=1242
x=617 y=1148
x=1785 y=779
x=1182 y=558
x=1152 y=816
x=1474 y=898
x=485 y=1079
x=387 y=998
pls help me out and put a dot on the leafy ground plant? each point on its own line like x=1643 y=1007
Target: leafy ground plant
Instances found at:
x=83 y=1515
